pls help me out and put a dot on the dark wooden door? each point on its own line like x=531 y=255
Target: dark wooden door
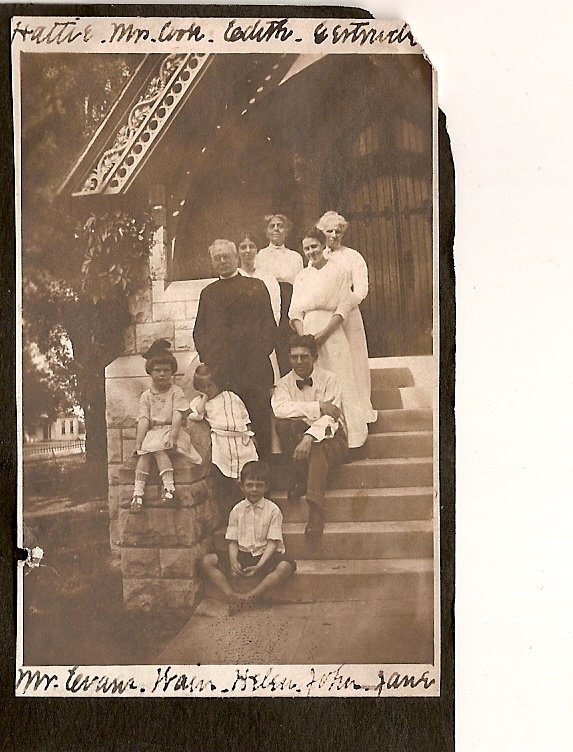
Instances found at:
x=383 y=186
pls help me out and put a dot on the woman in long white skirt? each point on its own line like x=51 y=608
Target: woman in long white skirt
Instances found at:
x=333 y=225
x=321 y=303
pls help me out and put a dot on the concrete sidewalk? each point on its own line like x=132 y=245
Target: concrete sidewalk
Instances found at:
x=400 y=631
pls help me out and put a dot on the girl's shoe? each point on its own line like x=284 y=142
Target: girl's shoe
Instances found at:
x=168 y=495
x=136 y=504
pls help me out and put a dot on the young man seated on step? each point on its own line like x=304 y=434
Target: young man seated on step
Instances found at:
x=255 y=539
x=307 y=404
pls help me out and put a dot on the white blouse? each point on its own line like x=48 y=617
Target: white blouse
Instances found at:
x=324 y=289
x=356 y=267
x=280 y=262
x=272 y=287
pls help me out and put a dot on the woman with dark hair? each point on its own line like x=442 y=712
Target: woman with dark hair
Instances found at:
x=320 y=305
x=333 y=225
x=283 y=264
x=248 y=246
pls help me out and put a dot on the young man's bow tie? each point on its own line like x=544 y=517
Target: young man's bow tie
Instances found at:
x=301 y=383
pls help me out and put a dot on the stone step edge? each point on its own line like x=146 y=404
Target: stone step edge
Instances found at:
x=381 y=461
x=364 y=528
x=363 y=567
x=418 y=432
x=384 y=492
x=408 y=410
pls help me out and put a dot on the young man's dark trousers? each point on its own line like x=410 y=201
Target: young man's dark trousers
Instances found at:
x=324 y=456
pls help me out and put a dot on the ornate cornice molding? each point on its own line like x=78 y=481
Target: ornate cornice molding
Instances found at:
x=142 y=124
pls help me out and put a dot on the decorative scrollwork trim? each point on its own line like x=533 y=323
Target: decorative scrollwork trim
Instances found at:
x=142 y=124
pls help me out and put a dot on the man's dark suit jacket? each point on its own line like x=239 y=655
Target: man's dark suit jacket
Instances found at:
x=235 y=332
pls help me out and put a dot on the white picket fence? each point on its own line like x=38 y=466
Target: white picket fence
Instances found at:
x=49 y=449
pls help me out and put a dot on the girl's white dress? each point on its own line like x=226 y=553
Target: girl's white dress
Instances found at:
x=232 y=443
x=318 y=294
x=355 y=266
x=158 y=408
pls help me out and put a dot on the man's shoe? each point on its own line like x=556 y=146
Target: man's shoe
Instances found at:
x=315 y=525
x=295 y=493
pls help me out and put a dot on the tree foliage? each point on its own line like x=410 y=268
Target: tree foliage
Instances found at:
x=77 y=271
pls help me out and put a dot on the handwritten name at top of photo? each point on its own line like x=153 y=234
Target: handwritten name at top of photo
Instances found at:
x=59 y=32
x=361 y=33
x=261 y=31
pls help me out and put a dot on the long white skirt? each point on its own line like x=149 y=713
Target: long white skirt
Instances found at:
x=336 y=355
x=354 y=330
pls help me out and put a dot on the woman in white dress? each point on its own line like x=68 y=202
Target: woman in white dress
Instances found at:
x=333 y=225
x=321 y=303
x=248 y=251
x=283 y=264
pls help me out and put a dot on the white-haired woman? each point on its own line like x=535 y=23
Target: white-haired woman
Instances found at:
x=283 y=264
x=333 y=225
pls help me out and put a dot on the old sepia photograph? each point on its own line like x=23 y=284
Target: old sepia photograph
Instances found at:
x=228 y=271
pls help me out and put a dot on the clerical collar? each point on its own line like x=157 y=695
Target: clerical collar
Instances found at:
x=236 y=274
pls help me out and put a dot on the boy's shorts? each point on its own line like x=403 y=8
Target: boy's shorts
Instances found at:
x=248 y=560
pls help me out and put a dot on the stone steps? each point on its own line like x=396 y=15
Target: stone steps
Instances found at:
x=410 y=539
x=371 y=473
x=391 y=378
x=358 y=579
x=408 y=397
x=368 y=504
x=341 y=580
x=398 y=444
x=390 y=421
x=377 y=544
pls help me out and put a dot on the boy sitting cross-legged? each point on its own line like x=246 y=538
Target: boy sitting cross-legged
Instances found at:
x=255 y=541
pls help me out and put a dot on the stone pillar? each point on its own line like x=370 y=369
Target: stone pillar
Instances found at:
x=158 y=548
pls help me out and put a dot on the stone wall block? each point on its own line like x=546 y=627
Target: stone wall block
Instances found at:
x=114 y=445
x=158 y=527
x=201 y=491
x=140 y=562
x=128 y=449
x=142 y=595
x=113 y=475
x=122 y=400
x=181 y=562
x=145 y=334
x=126 y=472
x=128 y=433
x=192 y=307
x=169 y=311
x=184 y=339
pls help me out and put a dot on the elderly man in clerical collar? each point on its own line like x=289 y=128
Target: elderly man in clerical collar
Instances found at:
x=234 y=333
x=307 y=404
